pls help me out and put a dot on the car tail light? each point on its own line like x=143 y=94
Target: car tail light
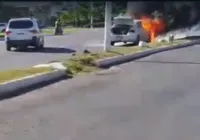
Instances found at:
x=34 y=31
x=7 y=32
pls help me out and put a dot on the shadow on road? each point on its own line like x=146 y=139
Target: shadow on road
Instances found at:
x=56 y=50
x=50 y=50
x=168 y=62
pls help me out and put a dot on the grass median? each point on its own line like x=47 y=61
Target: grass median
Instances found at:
x=1 y=34
x=50 y=31
x=84 y=63
x=9 y=75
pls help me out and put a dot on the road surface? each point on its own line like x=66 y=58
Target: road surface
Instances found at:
x=155 y=98
x=56 y=47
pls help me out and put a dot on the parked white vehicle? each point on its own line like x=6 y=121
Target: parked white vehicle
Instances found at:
x=23 y=32
x=125 y=29
x=3 y=26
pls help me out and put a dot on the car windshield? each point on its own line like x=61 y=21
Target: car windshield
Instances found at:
x=21 y=24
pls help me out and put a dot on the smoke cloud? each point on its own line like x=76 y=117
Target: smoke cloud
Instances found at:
x=177 y=15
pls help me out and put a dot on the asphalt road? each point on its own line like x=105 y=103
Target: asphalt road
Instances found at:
x=155 y=98
x=56 y=47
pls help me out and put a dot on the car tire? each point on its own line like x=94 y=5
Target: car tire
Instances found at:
x=37 y=44
x=42 y=46
x=22 y=48
x=137 y=40
x=112 y=43
x=8 y=47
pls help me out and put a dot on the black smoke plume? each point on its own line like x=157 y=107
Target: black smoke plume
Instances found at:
x=177 y=14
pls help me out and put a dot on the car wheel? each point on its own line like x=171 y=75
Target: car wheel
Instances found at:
x=42 y=46
x=112 y=43
x=37 y=44
x=137 y=40
x=8 y=47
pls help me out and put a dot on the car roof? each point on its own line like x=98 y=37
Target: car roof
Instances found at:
x=137 y=20
x=122 y=17
x=25 y=18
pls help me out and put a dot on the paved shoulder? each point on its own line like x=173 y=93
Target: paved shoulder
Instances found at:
x=153 y=98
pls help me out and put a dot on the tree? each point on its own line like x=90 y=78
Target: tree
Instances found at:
x=81 y=15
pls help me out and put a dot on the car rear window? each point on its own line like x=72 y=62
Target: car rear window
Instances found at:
x=21 y=24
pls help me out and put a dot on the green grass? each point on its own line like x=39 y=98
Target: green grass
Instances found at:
x=1 y=34
x=16 y=74
x=50 y=31
x=84 y=63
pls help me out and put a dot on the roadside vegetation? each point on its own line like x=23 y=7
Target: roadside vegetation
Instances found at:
x=81 y=63
x=20 y=73
x=1 y=34
x=84 y=63
x=66 y=30
x=50 y=31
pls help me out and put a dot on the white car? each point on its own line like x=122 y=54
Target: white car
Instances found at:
x=23 y=32
x=125 y=29
x=2 y=26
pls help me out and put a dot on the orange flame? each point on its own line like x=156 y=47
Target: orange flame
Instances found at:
x=153 y=27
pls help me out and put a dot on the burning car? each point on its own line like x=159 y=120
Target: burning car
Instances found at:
x=125 y=29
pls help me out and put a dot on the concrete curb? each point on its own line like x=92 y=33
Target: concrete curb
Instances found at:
x=20 y=86
x=116 y=60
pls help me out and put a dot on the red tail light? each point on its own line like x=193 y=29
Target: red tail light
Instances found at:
x=34 y=31
x=7 y=32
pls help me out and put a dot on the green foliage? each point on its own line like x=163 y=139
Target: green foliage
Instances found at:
x=81 y=15
x=5 y=12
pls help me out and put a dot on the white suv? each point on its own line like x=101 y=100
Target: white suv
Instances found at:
x=23 y=32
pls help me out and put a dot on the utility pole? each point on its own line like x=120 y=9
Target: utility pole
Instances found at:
x=91 y=14
x=108 y=24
